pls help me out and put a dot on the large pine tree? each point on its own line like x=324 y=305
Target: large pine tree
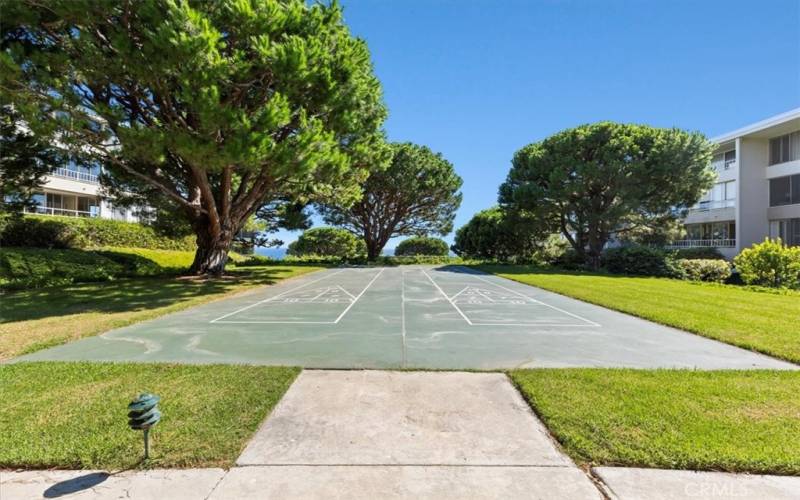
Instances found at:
x=218 y=107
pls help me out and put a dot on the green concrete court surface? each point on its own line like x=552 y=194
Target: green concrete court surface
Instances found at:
x=407 y=317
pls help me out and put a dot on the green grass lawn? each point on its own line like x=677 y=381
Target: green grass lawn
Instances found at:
x=36 y=319
x=74 y=415
x=745 y=421
x=756 y=320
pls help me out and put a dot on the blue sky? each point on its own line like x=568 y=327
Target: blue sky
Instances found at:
x=478 y=79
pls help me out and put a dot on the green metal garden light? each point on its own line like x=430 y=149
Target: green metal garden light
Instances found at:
x=143 y=413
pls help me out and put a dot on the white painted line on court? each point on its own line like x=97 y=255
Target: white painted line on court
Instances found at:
x=484 y=295
x=359 y=295
x=320 y=294
x=348 y=293
x=277 y=322
x=459 y=293
x=403 y=313
x=543 y=325
x=448 y=298
x=592 y=323
x=275 y=297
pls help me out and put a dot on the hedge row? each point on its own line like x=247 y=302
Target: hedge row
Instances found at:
x=648 y=261
x=86 y=233
x=26 y=268
x=385 y=260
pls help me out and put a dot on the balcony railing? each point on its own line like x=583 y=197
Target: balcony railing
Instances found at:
x=704 y=206
x=75 y=175
x=58 y=211
x=721 y=166
x=712 y=243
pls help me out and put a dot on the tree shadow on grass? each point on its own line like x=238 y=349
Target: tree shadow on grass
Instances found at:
x=126 y=295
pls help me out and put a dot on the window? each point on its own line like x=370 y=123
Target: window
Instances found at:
x=724 y=160
x=721 y=195
x=784 y=148
x=54 y=200
x=711 y=231
x=730 y=159
x=730 y=190
x=784 y=191
x=788 y=230
x=39 y=199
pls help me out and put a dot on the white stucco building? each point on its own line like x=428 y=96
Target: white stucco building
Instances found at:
x=73 y=190
x=757 y=192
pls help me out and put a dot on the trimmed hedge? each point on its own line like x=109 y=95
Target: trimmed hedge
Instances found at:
x=86 y=233
x=25 y=268
x=310 y=259
x=704 y=253
x=328 y=260
x=421 y=245
x=37 y=267
x=327 y=242
x=713 y=270
x=418 y=259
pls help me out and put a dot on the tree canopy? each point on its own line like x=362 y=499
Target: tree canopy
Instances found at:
x=594 y=181
x=496 y=235
x=329 y=242
x=25 y=158
x=218 y=107
x=417 y=194
x=422 y=245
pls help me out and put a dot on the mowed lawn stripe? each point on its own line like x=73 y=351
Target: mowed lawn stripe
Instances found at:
x=74 y=415
x=758 y=320
x=743 y=421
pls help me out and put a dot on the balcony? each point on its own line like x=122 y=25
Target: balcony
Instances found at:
x=41 y=210
x=712 y=243
x=723 y=166
x=705 y=206
x=74 y=175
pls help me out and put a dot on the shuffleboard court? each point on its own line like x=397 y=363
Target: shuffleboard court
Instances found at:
x=447 y=317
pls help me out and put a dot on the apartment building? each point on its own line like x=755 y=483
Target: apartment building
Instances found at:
x=74 y=190
x=757 y=192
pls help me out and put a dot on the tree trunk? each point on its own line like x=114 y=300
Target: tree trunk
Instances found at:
x=212 y=253
x=594 y=257
x=373 y=250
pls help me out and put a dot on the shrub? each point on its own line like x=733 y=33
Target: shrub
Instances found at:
x=493 y=234
x=325 y=260
x=22 y=268
x=421 y=245
x=570 y=260
x=770 y=264
x=36 y=267
x=714 y=270
x=86 y=233
x=417 y=259
x=641 y=260
x=705 y=253
x=257 y=260
x=328 y=242
x=147 y=262
x=552 y=251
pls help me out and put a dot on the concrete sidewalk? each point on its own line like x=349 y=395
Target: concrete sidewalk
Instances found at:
x=371 y=434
